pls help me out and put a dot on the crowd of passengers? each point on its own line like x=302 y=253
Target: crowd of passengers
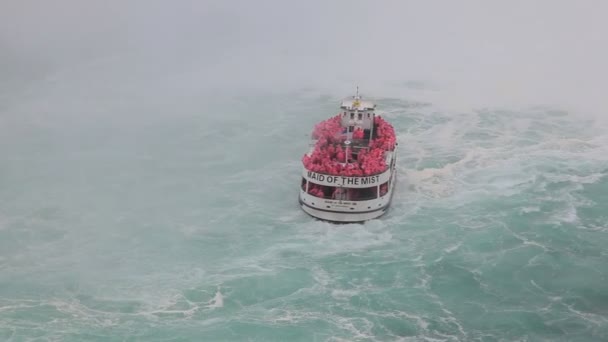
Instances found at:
x=346 y=194
x=329 y=157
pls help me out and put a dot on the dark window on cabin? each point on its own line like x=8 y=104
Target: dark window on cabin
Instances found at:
x=384 y=189
x=366 y=133
x=352 y=115
x=364 y=194
x=360 y=116
x=303 y=184
x=368 y=115
x=321 y=191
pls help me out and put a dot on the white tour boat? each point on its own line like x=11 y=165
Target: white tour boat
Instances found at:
x=349 y=172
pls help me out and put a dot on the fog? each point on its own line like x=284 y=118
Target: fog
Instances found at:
x=464 y=54
x=150 y=161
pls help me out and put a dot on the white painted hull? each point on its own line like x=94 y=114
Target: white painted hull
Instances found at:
x=343 y=217
x=348 y=211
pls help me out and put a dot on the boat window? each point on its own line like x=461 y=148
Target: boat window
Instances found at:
x=383 y=189
x=365 y=194
x=368 y=115
x=321 y=191
x=360 y=116
x=342 y=194
x=303 y=183
x=352 y=115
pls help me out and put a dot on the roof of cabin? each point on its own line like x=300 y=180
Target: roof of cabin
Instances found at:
x=357 y=103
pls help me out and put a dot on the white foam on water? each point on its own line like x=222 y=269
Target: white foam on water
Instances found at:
x=567 y=215
x=339 y=294
x=527 y=210
x=217 y=301
x=452 y=248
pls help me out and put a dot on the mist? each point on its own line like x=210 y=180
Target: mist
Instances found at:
x=470 y=53
x=150 y=162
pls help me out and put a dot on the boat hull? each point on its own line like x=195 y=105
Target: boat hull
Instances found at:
x=348 y=212
x=343 y=217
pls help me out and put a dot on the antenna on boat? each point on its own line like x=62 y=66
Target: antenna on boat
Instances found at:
x=357 y=92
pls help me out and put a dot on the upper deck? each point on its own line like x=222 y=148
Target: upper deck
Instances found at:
x=355 y=103
x=354 y=143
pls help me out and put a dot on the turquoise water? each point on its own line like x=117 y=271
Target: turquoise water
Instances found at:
x=150 y=167
x=181 y=223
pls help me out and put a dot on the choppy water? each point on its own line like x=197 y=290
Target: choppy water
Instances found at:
x=181 y=223
x=150 y=166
